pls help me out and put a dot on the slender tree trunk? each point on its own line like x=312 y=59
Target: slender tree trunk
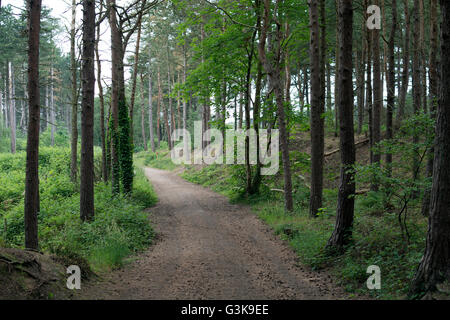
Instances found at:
x=406 y=64
x=248 y=83
x=434 y=267
x=361 y=73
x=391 y=84
x=134 y=78
x=178 y=105
x=317 y=120
x=377 y=100
x=32 y=171
x=52 y=107
x=336 y=76
x=116 y=55
x=329 y=94
x=102 y=104
x=274 y=71
x=186 y=143
x=170 y=126
x=144 y=136
x=12 y=107
x=369 y=94
x=150 y=103
x=416 y=82
x=342 y=233
x=74 y=120
x=434 y=93
x=87 y=113
x=158 y=111
x=241 y=110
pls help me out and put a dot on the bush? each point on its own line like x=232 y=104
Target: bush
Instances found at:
x=120 y=228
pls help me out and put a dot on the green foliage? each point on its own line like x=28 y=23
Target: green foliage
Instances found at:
x=120 y=228
x=159 y=160
x=125 y=149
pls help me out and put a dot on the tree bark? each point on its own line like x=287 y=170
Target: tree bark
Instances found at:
x=406 y=64
x=391 y=84
x=12 y=107
x=274 y=71
x=32 y=171
x=52 y=106
x=434 y=93
x=144 y=136
x=116 y=56
x=377 y=100
x=317 y=110
x=342 y=233
x=105 y=174
x=134 y=78
x=150 y=102
x=434 y=267
x=87 y=113
x=416 y=82
x=74 y=119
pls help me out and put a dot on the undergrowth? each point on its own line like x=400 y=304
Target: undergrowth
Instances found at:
x=121 y=226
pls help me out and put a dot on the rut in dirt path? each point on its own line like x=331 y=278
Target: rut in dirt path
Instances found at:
x=208 y=248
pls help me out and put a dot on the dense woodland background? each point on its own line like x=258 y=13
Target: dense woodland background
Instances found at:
x=362 y=114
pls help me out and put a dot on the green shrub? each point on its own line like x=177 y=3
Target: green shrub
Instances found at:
x=120 y=227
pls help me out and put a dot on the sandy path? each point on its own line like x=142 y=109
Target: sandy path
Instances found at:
x=209 y=249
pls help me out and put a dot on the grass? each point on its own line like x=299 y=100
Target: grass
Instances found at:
x=120 y=229
x=378 y=239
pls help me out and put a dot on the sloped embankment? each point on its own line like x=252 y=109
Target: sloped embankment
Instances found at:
x=31 y=275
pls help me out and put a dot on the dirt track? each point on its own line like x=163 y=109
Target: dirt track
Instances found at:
x=206 y=249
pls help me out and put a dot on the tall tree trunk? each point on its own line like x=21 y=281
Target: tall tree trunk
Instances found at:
x=345 y=207
x=134 y=78
x=105 y=174
x=391 y=84
x=377 y=100
x=144 y=136
x=406 y=64
x=248 y=84
x=150 y=102
x=74 y=120
x=241 y=110
x=274 y=71
x=169 y=126
x=158 y=111
x=434 y=267
x=12 y=107
x=434 y=93
x=317 y=120
x=336 y=76
x=369 y=93
x=116 y=56
x=416 y=82
x=329 y=93
x=52 y=107
x=87 y=113
x=186 y=143
x=32 y=171
x=361 y=74
x=206 y=112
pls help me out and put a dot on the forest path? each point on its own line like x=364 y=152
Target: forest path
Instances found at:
x=207 y=248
